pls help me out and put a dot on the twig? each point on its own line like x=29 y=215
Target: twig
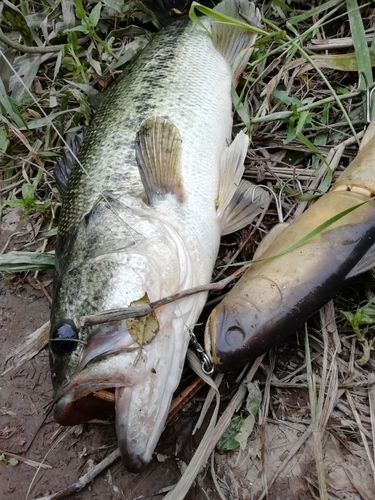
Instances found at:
x=36 y=50
x=26 y=49
x=282 y=115
x=185 y=397
x=85 y=479
x=139 y=311
x=26 y=461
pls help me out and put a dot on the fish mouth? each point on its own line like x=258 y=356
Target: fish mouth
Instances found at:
x=140 y=382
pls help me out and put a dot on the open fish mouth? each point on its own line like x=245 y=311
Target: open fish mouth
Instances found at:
x=142 y=381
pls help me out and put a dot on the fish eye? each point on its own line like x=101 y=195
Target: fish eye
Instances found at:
x=64 y=337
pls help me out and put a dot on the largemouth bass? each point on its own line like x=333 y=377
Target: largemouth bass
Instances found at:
x=143 y=211
x=276 y=296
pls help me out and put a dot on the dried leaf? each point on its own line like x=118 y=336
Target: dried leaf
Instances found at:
x=143 y=329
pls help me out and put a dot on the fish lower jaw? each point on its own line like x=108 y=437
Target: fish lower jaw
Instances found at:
x=79 y=405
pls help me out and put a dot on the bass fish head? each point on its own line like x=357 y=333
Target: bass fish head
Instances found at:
x=138 y=359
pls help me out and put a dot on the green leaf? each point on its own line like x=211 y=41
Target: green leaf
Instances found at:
x=115 y=4
x=28 y=193
x=12 y=461
x=14 y=203
x=254 y=398
x=95 y=15
x=80 y=10
x=283 y=5
x=15 y=17
x=47 y=120
x=6 y=104
x=82 y=28
x=360 y=43
x=228 y=440
x=315 y=150
x=222 y=18
x=4 y=141
x=246 y=429
x=313 y=12
x=284 y=97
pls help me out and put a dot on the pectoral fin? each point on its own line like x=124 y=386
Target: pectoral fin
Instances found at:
x=158 y=154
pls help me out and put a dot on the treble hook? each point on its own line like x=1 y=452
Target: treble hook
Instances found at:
x=285 y=184
x=368 y=95
x=277 y=201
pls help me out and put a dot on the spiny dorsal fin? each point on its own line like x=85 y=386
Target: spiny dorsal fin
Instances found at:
x=369 y=135
x=158 y=154
x=247 y=202
x=64 y=165
x=235 y=44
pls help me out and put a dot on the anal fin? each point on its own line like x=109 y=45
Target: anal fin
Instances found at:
x=158 y=154
x=247 y=202
x=239 y=201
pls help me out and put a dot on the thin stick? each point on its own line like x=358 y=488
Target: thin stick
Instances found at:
x=139 y=311
x=185 y=397
x=86 y=478
x=26 y=461
x=26 y=49
x=177 y=404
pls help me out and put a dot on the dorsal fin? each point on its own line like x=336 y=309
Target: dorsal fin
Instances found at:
x=234 y=43
x=158 y=153
x=63 y=165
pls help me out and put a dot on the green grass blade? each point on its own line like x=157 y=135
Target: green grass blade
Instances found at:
x=26 y=261
x=308 y=236
x=222 y=18
x=314 y=12
x=326 y=182
x=360 y=43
